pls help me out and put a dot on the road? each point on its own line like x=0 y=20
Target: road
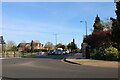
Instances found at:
x=52 y=66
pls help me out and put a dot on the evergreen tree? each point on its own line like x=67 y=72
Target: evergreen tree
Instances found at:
x=118 y=11
x=116 y=26
x=32 y=47
x=118 y=19
x=97 y=25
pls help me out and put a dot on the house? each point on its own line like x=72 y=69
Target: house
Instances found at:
x=28 y=46
x=106 y=28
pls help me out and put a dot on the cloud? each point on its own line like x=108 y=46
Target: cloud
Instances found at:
x=39 y=28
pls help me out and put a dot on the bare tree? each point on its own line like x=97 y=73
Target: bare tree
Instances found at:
x=37 y=41
x=11 y=46
x=49 y=45
x=11 y=43
x=23 y=41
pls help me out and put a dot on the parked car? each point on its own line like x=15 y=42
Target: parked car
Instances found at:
x=58 y=52
x=51 y=52
x=80 y=51
x=41 y=53
x=65 y=51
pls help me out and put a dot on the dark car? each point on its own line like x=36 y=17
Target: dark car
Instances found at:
x=51 y=52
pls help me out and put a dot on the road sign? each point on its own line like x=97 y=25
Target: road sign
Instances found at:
x=2 y=43
x=1 y=37
x=1 y=40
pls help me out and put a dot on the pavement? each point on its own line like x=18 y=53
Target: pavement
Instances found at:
x=79 y=60
x=10 y=57
x=95 y=63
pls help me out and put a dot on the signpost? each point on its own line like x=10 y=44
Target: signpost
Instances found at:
x=85 y=51
x=2 y=43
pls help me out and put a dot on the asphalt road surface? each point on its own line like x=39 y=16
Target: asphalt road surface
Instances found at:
x=52 y=67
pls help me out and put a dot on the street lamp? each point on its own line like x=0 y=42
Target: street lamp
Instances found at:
x=86 y=26
x=85 y=48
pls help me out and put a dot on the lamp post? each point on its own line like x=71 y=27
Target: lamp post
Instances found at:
x=85 y=25
x=85 y=45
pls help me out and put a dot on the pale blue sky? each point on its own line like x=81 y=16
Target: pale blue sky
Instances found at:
x=39 y=21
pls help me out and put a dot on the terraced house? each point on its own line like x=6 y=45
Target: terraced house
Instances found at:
x=29 y=46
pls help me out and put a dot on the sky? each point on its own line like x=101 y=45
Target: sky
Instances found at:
x=41 y=20
x=58 y=0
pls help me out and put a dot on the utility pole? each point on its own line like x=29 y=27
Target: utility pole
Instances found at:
x=55 y=38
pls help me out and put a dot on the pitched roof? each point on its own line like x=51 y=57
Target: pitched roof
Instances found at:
x=22 y=44
x=36 y=42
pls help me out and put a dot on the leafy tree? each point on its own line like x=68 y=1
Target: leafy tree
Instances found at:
x=72 y=46
x=98 y=39
x=14 y=49
x=107 y=23
x=69 y=46
x=49 y=45
x=97 y=25
x=60 y=45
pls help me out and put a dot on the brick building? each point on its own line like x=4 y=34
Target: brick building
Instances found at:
x=27 y=46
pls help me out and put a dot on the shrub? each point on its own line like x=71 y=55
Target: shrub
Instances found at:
x=111 y=53
x=43 y=50
x=99 y=54
x=37 y=50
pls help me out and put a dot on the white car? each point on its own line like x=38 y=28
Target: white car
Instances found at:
x=58 y=52
x=65 y=51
